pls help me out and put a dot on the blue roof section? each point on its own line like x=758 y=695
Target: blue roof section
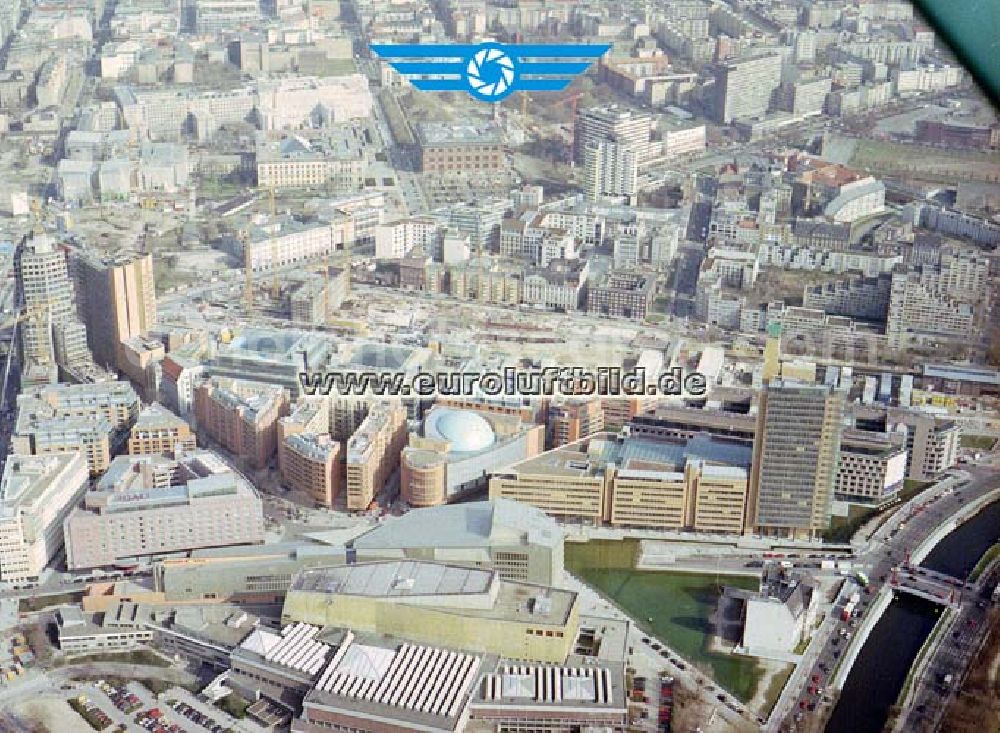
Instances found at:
x=701 y=447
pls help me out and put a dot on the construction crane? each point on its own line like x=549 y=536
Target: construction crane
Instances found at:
x=324 y=270
x=571 y=99
x=244 y=237
x=42 y=310
x=275 y=284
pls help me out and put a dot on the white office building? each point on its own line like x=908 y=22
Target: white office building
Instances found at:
x=36 y=495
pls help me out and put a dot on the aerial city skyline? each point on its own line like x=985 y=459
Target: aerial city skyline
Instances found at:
x=501 y=366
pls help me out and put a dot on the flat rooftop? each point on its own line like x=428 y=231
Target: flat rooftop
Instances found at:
x=444 y=133
x=591 y=456
x=452 y=584
x=395 y=579
x=475 y=524
x=425 y=687
x=27 y=478
x=591 y=687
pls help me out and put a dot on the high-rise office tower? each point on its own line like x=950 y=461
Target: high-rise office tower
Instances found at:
x=117 y=299
x=625 y=127
x=796 y=450
x=51 y=334
x=610 y=169
x=743 y=88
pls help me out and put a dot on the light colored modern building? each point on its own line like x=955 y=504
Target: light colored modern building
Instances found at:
x=51 y=333
x=305 y=101
x=796 y=452
x=857 y=200
x=458 y=449
x=560 y=285
x=153 y=505
x=94 y=418
x=937 y=301
x=520 y=542
x=123 y=628
x=932 y=442
x=872 y=466
x=610 y=170
x=699 y=484
x=440 y=604
x=36 y=494
x=283 y=667
x=242 y=416
x=282 y=242
x=743 y=88
x=117 y=300
x=394 y=240
x=357 y=692
x=630 y=129
x=341 y=679
x=780 y=616
x=214 y=16
x=157 y=430
x=372 y=454
x=295 y=162
x=163 y=113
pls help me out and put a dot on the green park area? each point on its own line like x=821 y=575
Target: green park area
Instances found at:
x=674 y=607
x=978 y=442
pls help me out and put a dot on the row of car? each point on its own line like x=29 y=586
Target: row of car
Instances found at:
x=121 y=698
x=155 y=721
x=197 y=716
x=666 y=712
x=97 y=718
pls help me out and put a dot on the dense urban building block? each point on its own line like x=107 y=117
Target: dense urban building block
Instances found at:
x=153 y=505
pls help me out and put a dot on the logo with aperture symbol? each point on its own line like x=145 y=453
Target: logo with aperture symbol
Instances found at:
x=491 y=72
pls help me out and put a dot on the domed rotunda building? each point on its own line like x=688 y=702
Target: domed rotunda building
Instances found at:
x=457 y=449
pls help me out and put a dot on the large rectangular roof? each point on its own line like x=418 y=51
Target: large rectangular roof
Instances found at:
x=394 y=579
x=422 y=685
x=475 y=524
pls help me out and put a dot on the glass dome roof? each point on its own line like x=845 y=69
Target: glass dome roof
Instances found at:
x=465 y=431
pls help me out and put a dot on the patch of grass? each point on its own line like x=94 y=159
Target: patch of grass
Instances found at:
x=674 y=607
x=156 y=686
x=984 y=562
x=234 y=705
x=774 y=688
x=842 y=529
x=37 y=603
x=136 y=656
x=912 y=487
x=978 y=442
x=91 y=719
x=975 y=707
x=601 y=554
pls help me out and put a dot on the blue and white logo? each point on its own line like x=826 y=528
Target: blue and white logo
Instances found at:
x=490 y=71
